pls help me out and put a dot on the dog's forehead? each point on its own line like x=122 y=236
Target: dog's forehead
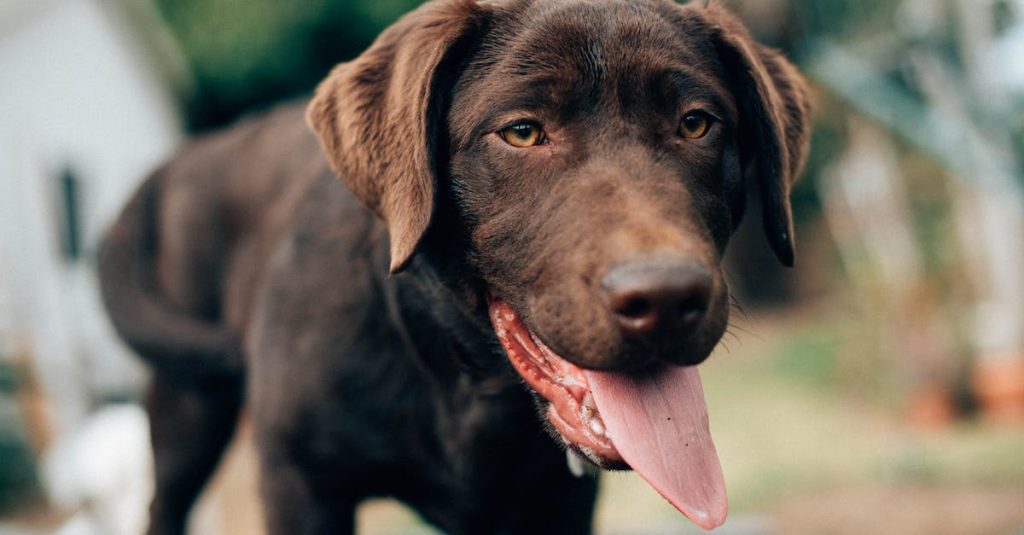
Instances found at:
x=551 y=52
x=592 y=34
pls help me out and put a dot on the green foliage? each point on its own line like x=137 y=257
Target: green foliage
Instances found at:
x=8 y=379
x=17 y=472
x=18 y=481
x=811 y=357
x=845 y=18
x=248 y=54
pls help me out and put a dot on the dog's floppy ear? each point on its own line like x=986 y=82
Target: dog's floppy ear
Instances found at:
x=377 y=118
x=775 y=108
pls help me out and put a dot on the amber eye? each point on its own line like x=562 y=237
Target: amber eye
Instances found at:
x=523 y=135
x=695 y=125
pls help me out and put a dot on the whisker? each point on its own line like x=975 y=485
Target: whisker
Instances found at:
x=735 y=303
x=734 y=337
x=747 y=331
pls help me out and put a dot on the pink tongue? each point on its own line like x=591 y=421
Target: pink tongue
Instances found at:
x=658 y=422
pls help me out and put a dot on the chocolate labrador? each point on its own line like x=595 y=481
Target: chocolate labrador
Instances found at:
x=525 y=266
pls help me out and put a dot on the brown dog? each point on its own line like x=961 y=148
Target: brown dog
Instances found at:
x=556 y=181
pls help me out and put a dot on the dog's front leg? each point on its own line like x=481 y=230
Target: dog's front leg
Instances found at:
x=566 y=507
x=295 y=504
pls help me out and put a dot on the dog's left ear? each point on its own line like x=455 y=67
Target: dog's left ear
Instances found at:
x=775 y=113
x=378 y=117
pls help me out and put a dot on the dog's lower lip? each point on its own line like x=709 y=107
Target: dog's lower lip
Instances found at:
x=571 y=408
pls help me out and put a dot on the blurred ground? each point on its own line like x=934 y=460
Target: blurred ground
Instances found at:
x=802 y=454
x=808 y=455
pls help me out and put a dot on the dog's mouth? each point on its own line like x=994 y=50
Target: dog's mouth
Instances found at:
x=654 y=420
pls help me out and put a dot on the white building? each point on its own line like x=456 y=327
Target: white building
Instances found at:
x=87 y=109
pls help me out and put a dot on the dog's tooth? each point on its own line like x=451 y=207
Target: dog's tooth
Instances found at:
x=597 y=426
x=579 y=465
x=586 y=413
x=576 y=465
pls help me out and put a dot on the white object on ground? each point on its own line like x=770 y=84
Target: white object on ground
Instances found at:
x=103 y=471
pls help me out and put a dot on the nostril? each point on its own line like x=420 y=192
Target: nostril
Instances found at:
x=635 y=312
x=691 y=309
x=691 y=305
x=634 y=308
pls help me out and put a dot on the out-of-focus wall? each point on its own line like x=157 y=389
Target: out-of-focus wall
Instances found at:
x=82 y=104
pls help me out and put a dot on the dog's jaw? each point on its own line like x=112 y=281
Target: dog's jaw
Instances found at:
x=654 y=421
x=571 y=407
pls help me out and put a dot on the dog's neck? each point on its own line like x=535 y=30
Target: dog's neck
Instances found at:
x=430 y=301
x=482 y=404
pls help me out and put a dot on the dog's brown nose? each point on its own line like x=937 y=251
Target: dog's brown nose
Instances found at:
x=657 y=301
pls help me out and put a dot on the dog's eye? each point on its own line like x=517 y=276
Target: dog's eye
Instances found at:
x=523 y=134
x=695 y=125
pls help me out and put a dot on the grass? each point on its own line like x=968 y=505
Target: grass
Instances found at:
x=789 y=426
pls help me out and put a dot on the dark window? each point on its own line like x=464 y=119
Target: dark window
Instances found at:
x=70 y=224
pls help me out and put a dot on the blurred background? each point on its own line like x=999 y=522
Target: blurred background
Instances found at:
x=878 y=387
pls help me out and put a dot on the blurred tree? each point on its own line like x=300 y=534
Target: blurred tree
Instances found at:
x=940 y=75
x=247 y=54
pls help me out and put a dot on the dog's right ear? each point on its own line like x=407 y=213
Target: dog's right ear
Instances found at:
x=377 y=117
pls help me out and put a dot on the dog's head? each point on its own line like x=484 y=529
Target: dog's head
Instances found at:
x=595 y=153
